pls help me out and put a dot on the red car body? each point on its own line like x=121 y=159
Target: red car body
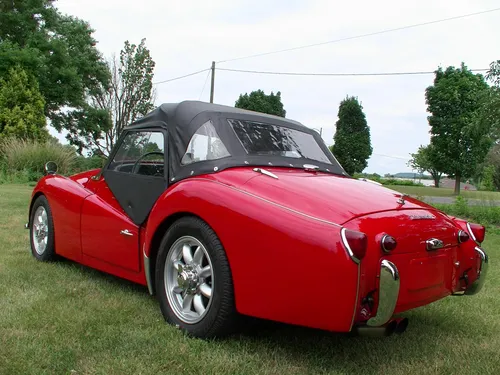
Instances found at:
x=295 y=238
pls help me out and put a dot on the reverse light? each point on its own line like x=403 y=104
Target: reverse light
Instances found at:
x=476 y=231
x=463 y=236
x=355 y=243
x=388 y=243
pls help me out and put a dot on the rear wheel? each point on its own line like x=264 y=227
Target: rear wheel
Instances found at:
x=42 y=230
x=193 y=280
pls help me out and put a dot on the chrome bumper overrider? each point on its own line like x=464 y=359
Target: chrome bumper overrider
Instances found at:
x=477 y=285
x=388 y=294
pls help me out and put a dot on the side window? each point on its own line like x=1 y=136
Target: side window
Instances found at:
x=141 y=153
x=205 y=145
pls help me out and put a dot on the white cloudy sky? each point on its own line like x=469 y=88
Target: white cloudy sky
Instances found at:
x=186 y=36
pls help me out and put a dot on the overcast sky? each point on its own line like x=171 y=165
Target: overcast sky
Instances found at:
x=186 y=36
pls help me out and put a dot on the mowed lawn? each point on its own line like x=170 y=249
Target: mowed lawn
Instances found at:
x=62 y=318
x=430 y=191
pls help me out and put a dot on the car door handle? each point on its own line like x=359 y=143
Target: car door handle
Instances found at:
x=125 y=232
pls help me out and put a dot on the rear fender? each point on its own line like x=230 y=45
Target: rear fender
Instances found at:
x=285 y=266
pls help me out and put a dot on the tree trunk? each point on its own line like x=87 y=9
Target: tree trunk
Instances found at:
x=436 y=181
x=436 y=176
x=457 y=184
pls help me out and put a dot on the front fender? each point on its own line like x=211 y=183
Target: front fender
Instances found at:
x=65 y=198
x=285 y=266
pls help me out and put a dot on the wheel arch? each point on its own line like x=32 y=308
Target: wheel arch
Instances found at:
x=155 y=242
x=33 y=200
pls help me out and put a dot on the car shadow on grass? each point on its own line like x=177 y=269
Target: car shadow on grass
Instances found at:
x=318 y=351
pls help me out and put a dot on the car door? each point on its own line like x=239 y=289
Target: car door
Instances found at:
x=130 y=183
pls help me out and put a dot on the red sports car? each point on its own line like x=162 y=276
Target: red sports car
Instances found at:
x=224 y=213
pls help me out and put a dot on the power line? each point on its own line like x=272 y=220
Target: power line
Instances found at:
x=184 y=76
x=392 y=156
x=361 y=35
x=203 y=89
x=337 y=74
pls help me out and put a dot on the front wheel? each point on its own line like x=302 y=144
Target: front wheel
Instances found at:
x=193 y=280
x=42 y=230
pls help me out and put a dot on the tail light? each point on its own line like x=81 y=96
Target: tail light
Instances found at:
x=476 y=231
x=355 y=243
x=463 y=236
x=388 y=243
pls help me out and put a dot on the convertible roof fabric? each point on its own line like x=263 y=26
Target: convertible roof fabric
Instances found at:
x=182 y=120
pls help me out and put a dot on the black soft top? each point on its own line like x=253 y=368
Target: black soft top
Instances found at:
x=182 y=120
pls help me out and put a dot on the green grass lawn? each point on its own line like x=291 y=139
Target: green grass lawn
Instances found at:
x=62 y=318
x=444 y=192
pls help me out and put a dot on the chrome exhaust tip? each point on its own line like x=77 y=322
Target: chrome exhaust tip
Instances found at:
x=381 y=331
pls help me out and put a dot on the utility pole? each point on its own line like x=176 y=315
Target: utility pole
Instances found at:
x=212 y=83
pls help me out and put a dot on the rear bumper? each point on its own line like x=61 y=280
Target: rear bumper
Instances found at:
x=388 y=294
x=477 y=285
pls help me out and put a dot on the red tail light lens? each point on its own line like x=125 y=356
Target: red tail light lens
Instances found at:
x=355 y=243
x=476 y=231
x=463 y=236
x=388 y=243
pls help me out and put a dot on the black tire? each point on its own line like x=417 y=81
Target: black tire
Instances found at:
x=48 y=253
x=221 y=318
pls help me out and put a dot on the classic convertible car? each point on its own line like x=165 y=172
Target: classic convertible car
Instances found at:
x=225 y=213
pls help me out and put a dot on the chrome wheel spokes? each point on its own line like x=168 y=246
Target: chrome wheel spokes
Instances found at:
x=189 y=279
x=40 y=230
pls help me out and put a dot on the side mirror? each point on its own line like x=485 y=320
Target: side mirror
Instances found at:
x=50 y=167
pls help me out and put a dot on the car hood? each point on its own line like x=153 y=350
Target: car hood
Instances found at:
x=324 y=196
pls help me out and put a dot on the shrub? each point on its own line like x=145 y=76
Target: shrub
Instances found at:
x=395 y=181
x=27 y=158
x=484 y=213
x=84 y=164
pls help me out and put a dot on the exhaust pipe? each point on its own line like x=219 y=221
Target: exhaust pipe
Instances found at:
x=381 y=331
x=397 y=326
x=402 y=324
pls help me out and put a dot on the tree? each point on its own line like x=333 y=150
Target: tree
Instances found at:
x=260 y=102
x=58 y=50
x=456 y=101
x=109 y=109
x=422 y=161
x=352 y=142
x=21 y=107
x=492 y=108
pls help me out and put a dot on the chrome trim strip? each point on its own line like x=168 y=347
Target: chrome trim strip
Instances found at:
x=346 y=245
x=388 y=294
x=147 y=271
x=477 y=285
x=469 y=229
x=268 y=201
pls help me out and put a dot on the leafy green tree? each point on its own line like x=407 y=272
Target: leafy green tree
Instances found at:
x=58 y=50
x=129 y=96
x=260 y=102
x=491 y=113
x=21 y=107
x=422 y=161
x=456 y=101
x=488 y=182
x=352 y=141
